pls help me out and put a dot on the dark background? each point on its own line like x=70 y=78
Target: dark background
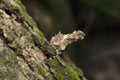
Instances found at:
x=99 y=53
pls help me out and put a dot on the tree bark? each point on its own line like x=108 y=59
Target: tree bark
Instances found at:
x=25 y=54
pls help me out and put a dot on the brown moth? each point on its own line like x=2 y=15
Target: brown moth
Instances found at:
x=61 y=41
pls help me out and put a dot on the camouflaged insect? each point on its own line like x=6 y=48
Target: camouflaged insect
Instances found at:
x=61 y=41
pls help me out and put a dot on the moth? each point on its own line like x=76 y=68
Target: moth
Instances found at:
x=61 y=41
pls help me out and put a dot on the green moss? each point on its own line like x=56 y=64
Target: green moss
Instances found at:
x=47 y=47
x=10 y=76
x=57 y=64
x=49 y=78
x=25 y=15
x=17 y=46
x=8 y=59
x=54 y=63
x=38 y=34
x=79 y=71
x=29 y=39
x=73 y=73
x=21 y=12
x=26 y=33
x=71 y=70
x=41 y=70
x=58 y=69
x=28 y=19
x=40 y=39
x=60 y=76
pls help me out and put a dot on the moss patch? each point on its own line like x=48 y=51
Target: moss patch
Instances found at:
x=70 y=72
x=41 y=70
x=60 y=76
x=8 y=65
x=54 y=63
x=9 y=59
x=73 y=73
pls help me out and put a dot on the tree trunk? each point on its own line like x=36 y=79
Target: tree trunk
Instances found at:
x=25 y=54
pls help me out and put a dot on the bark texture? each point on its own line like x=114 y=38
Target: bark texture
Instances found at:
x=25 y=54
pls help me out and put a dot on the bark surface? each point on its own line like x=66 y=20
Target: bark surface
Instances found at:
x=25 y=54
